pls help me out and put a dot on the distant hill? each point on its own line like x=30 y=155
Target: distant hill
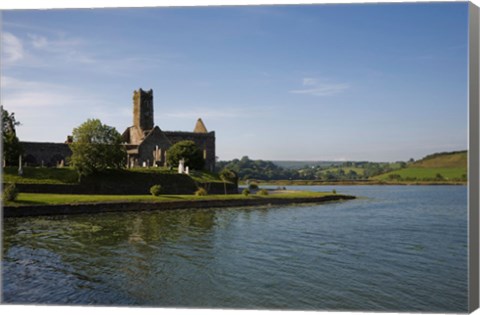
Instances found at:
x=444 y=159
x=301 y=164
x=444 y=166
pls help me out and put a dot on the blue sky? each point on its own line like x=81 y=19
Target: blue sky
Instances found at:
x=324 y=82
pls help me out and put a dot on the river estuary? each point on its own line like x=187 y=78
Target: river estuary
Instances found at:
x=395 y=248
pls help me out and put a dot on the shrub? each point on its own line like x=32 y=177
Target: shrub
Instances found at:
x=334 y=192
x=246 y=192
x=156 y=190
x=201 y=192
x=253 y=186
x=394 y=177
x=262 y=192
x=10 y=193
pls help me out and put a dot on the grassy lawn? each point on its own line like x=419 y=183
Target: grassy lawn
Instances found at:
x=51 y=199
x=420 y=173
x=66 y=175
x=40 y=175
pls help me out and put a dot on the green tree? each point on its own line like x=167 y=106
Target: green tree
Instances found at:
x=96 y=147
x=188 y=151
x=11 y=145
x=228 y=176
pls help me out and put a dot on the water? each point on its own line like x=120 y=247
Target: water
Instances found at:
x=397 y=248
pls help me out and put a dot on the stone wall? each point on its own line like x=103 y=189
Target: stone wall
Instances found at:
x=45 y=153
x=204 y=141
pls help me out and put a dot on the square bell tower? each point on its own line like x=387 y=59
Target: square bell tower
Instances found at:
x=143 y=109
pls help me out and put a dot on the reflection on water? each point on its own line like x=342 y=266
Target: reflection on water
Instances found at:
x=399 y=248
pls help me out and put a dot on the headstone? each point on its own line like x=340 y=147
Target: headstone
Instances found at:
x=144 y=164
x=20 y=167
x=181 y=166
x=186 y=170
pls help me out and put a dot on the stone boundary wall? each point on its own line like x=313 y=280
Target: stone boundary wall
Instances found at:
x=45 y=153
x=105 y=189
x=39 y=210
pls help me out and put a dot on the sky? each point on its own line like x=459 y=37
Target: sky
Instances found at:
x=377 y=82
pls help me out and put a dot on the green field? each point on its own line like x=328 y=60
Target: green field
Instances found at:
x=444 y=160
x=53 y=199
x=420 y=173
x=447 y=166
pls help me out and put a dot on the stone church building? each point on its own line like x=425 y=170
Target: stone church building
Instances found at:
x=145 y=143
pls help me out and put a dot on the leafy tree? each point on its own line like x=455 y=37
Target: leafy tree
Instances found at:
x=228 y=176
x=11 y=145
x=188 y=151
x=352 y=174
x=96 y=147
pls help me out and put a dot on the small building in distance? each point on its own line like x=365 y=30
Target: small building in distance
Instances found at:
x=145 y=143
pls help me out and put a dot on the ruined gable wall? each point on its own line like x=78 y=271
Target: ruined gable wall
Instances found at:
x=48 y=152
x=147 y=148
x=204 y=141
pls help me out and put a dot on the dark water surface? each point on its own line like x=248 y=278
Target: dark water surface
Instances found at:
x=396 y=248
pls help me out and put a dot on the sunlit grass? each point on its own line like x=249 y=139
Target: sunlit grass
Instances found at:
x=419 y=173
x=53 y=199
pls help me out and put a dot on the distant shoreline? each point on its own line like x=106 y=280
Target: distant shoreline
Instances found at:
x=351 y=183
x=101 y=207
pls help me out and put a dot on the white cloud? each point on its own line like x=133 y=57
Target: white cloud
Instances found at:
x=315 y=87
x=60 y=49
x=12 y=48
x=38 y=41
x=309 y=81
x=24 y=95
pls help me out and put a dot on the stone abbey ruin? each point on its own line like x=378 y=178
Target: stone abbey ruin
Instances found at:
x=145 y=143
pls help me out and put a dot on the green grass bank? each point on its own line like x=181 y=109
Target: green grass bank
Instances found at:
x=55 y=204
x=135 y=181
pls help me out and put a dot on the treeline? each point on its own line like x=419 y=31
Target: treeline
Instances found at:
x=257 y=169
x=267 y=170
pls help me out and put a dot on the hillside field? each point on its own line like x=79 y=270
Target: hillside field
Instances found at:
x=420 y=173
x=450 y=166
